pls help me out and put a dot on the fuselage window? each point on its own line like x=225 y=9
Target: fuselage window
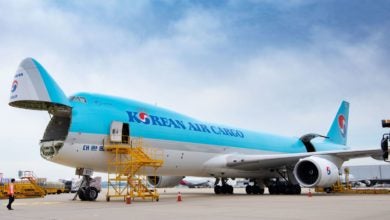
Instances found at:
x=79 y=99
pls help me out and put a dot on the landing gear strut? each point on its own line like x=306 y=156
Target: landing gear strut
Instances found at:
x=86 y=192
x=224 y=188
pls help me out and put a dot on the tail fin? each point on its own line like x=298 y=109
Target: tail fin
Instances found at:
x=33 y=88
x=339 y=130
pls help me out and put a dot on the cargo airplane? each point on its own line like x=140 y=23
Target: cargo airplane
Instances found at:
x=80 y=123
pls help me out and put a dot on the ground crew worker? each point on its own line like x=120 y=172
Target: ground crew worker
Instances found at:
x=11 y=194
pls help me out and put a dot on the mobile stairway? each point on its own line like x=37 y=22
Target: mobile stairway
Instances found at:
x=27 y=187
x=129 y=163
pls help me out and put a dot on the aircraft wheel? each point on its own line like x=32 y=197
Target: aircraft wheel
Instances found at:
x=297 y=189
x=248 y=189
x=261 y=191
x=217 y=189
x=224 y=189
x=82 y=195
x=282 y=188
x=288 y=189
x=273 y=189
x=229 y=189
x=91 y=193
x=256 y=190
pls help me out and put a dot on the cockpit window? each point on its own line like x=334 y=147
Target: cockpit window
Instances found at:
x=79 y=99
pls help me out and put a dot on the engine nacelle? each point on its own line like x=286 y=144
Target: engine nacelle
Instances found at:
x=164 y=181
x=316 y=171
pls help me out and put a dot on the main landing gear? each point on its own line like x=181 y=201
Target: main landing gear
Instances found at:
x=284 y=187
x=224 y=188
x=286 y=184
x=254 y=189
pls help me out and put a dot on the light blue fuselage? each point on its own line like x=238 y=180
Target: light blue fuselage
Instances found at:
x=187 y=142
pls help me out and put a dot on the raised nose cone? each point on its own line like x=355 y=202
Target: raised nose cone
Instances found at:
x=33 y=88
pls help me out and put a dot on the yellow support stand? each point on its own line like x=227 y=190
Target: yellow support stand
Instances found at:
x=26 y=188
x=127 y=167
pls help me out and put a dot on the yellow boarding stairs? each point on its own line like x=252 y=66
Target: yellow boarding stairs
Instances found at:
x=30 y=176
x=127 y=168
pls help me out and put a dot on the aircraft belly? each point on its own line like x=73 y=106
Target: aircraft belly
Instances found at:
x=175 y=162
x=186 y=159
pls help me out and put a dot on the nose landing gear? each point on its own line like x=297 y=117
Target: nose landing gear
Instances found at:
x=86 y=192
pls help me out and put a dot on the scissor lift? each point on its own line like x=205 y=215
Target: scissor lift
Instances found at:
x=126 y=168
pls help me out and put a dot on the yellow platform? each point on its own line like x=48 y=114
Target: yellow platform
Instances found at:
x=346 y=188
x=127 y=168
x=23 y=189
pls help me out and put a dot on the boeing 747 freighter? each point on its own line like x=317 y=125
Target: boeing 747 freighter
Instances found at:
x=80 y=123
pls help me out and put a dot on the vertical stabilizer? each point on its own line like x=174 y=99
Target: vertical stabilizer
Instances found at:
x=339 y=130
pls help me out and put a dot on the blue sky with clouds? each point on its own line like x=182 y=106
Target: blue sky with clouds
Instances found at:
x=276 y=66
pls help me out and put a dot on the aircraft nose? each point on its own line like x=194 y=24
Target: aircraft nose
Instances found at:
x=49 y=149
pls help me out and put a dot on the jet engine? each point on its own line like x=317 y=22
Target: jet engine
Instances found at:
x=164 y=181
x=316 y=171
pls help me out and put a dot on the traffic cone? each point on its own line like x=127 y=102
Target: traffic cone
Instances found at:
x=309 y=194
x=179 y=197
x=128 y=200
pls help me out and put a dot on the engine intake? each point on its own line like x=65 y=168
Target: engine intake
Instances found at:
x=316 y=171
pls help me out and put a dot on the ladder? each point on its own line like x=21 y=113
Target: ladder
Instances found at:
x=30 y=176
x=127 y=167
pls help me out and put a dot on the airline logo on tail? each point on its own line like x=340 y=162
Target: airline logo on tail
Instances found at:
x=338 y=131
x=342 y=125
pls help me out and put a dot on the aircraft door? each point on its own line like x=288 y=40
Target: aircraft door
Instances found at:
x=119 y=132
x=125 y=133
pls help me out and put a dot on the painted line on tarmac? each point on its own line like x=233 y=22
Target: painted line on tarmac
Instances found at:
x=32 y=203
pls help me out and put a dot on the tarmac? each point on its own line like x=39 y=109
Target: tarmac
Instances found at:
x=203 y=204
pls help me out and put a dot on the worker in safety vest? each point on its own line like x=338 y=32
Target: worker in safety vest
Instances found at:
x=11 y=194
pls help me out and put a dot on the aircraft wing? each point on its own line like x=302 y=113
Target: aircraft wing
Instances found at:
x=254 y=162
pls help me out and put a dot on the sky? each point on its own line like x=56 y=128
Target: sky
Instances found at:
x=280 y=66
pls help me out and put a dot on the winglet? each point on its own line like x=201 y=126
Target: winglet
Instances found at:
x=339 y=129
